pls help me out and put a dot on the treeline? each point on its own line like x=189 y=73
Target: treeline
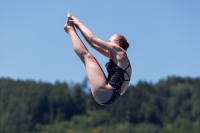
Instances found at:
x=170 y=106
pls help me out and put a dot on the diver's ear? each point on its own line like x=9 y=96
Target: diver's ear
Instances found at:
x=118 y=43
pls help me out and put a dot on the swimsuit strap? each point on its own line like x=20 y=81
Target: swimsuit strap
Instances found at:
x=128 y=76
x=127 y=73
x=127 y=66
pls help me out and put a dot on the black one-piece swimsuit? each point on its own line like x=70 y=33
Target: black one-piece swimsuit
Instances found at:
x=115 y=79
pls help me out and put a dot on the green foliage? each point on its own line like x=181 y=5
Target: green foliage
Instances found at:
x=169 y=106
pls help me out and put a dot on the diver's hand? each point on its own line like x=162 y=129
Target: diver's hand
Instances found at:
x=75 y=21
x=68 y=25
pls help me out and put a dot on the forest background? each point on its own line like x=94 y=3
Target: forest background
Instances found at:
x=169 y=106
x=41 y=78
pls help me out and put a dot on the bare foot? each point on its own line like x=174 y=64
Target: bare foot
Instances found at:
x=68 y=25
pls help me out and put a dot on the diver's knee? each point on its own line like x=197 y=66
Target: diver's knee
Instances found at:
x=89 y=56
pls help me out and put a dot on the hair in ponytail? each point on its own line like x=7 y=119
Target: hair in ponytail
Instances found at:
x=122 y=41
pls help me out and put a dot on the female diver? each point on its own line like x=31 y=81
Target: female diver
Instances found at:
x=105 y=90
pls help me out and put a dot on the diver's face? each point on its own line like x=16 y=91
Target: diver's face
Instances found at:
x=113 y=40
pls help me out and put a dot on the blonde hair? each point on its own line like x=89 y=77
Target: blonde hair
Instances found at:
x=122 y=41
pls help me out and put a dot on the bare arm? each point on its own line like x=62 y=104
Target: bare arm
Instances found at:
x=98 y=44
x=96 y=47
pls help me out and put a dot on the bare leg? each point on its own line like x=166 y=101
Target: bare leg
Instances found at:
x=99 y=87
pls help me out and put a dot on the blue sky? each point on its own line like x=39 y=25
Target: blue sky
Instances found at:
x=164 y=37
